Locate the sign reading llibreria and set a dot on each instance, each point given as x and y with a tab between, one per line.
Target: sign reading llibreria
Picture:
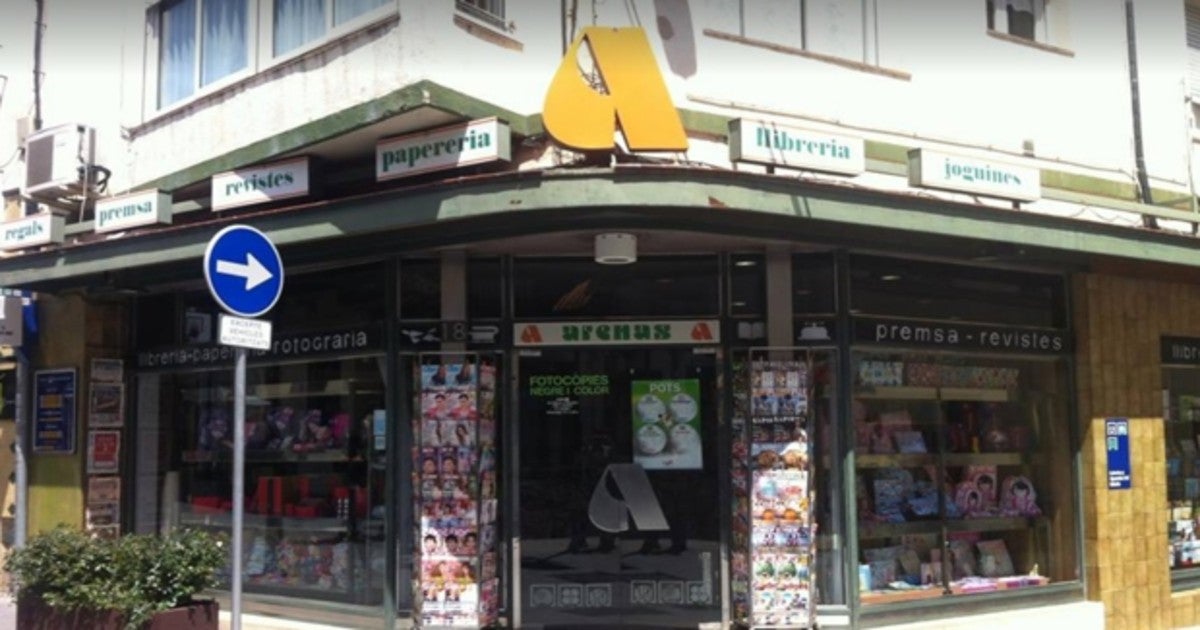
955	336
535	334
1180	351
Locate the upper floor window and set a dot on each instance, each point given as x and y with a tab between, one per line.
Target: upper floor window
200	42
486	10
299	22
1020	18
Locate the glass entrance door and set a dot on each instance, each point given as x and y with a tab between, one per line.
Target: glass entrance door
618	518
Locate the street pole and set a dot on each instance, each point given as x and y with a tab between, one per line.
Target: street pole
21	409
239	486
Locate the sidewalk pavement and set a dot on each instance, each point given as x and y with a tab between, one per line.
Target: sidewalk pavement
8	619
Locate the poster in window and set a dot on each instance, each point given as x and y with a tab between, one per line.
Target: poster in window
666	424
104	452
106	405
54	400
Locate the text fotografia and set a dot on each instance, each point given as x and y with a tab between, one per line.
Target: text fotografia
285	346
960	336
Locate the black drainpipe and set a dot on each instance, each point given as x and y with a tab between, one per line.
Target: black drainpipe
1134	93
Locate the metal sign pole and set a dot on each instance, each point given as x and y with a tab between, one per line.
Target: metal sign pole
239	486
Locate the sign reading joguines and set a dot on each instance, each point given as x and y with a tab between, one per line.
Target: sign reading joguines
961	336
134	210
934	169
614	333
260	184
777	145
476	142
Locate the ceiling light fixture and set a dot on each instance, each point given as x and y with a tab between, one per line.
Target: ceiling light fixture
615	248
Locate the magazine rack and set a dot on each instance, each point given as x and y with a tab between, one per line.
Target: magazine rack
773	551
455	471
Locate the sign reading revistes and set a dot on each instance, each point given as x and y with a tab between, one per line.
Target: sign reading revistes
260	184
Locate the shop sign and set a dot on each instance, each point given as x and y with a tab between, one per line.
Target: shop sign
134	210
286	346
476	142
241	332
54	394
666	424
556	385
1180	351
617	333
260	184
37	229
934	169
434	334
816	333
793	147
579	117
950	335
1116	444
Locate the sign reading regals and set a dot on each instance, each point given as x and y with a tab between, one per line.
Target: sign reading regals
367	338
950	335
1116	444
1180	351
54	418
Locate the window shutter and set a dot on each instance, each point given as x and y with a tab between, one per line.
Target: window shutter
1193	42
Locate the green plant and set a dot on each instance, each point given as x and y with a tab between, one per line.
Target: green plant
137	574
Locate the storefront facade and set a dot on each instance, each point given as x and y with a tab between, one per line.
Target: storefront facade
701	369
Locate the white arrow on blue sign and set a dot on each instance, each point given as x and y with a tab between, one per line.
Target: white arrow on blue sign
243	271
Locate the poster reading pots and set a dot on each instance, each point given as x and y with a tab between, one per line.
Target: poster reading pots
666	424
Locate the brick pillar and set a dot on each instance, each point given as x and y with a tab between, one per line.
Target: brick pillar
1125	531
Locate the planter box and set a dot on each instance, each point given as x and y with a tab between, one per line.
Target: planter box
34	614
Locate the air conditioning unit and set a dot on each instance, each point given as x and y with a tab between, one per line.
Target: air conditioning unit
57	161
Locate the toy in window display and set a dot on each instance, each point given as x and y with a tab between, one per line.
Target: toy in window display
216	431
1017	497
968	499
282	424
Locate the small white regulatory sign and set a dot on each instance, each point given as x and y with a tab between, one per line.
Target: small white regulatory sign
245	333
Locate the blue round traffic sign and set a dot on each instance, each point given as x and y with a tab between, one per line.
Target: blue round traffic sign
243	271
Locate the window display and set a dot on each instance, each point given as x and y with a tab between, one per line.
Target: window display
963	475
314	473
1181	410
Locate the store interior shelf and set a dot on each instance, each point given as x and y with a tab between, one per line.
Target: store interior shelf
910	392
892	530
262	521
912	460
269	457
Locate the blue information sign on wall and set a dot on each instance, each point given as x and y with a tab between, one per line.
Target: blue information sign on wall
1116	439
54	398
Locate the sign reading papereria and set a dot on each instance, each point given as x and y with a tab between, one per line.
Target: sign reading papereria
243	270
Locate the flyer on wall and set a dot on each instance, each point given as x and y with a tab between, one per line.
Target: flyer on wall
106	405
54	400
666	424
104	452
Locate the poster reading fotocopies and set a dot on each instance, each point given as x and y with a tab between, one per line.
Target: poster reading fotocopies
666	424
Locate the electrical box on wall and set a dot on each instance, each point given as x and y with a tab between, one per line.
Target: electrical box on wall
57	160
